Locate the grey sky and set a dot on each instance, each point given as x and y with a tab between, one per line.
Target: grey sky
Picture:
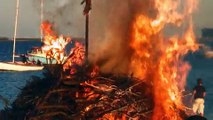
29	19
204	15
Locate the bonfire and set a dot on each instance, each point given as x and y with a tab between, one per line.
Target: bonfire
159	72
153	87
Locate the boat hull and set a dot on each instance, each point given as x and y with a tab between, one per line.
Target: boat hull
19	67
41	58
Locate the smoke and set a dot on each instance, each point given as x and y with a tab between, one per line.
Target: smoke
110	32
110	23
66	15
110	27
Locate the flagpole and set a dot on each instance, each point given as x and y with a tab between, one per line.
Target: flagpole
87	37
87	8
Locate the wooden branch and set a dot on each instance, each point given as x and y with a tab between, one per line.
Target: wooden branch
103	78
64	107
117	109
101	87
46	115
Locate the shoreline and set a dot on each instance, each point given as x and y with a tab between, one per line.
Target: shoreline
20	39
34	39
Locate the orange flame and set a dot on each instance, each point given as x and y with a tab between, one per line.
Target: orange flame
158	59
113	116
54	45
76	57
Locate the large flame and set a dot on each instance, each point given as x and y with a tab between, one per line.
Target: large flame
76	57
158	58
54	45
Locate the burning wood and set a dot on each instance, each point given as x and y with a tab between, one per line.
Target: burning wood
94	97
98	98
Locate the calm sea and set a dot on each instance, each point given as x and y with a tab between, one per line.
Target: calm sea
10	82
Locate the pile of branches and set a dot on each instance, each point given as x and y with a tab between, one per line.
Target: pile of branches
96	97
110	101
82	96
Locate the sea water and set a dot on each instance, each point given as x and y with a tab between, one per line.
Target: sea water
202	68
11	82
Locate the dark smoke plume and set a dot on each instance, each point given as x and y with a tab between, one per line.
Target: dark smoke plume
110	32
110	27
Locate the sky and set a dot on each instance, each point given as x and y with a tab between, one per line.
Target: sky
29	18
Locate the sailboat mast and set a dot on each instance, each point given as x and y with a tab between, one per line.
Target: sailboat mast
15	32
41	18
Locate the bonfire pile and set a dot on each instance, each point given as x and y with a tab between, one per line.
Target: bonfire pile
88	95
95	98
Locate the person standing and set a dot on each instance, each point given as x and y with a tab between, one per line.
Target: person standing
199	92
24	58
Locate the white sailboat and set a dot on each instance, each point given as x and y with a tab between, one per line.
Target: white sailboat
18	66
